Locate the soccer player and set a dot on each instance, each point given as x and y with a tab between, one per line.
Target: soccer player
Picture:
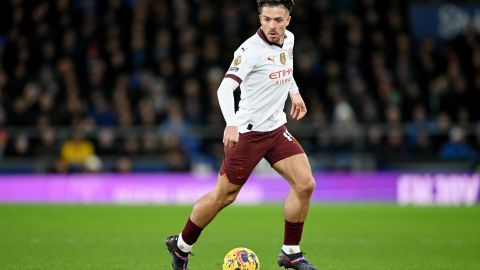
263	68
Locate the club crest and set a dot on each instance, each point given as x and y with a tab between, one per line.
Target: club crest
283	58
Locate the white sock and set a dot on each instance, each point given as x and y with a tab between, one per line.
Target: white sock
291	249
182	245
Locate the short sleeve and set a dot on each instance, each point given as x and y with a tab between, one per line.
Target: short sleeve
244	61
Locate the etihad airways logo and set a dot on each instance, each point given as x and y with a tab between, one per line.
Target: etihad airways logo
282	73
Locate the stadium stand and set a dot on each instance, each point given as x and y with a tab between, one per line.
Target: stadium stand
137	80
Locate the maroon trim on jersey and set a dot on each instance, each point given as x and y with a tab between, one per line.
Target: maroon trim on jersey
262	36
234	77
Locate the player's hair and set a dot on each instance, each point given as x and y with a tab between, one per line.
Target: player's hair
289	4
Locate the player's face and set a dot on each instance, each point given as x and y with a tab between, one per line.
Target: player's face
274	21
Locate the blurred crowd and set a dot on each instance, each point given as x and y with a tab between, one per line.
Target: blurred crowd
155	65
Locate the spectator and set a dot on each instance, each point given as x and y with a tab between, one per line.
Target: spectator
423	145
176	124
100	111
106	144
344	123
20	146
123	165
174	154
375	141
419	127
395	142
457	148
150	143
76	151
46	151
47	146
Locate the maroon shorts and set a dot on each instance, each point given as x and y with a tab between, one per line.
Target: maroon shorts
239	162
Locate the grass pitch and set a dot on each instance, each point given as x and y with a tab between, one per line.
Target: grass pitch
336	237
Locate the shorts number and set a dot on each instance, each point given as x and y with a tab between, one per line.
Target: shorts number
288	136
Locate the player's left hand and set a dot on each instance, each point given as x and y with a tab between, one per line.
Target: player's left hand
299	109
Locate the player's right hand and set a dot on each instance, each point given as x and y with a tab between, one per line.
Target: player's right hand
230	136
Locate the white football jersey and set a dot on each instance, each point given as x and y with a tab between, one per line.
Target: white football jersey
265	74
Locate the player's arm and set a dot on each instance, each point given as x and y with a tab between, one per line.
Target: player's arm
299	109
227	105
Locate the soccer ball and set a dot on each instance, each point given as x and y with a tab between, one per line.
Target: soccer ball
241	259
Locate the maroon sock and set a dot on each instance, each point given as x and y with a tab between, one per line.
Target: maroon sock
293	233
191	232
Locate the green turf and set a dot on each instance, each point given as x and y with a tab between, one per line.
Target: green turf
337	237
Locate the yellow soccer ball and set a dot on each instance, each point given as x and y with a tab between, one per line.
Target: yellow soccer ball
241	259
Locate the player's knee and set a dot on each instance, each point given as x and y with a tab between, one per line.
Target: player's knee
229	199
226	200
223	200
311	184
307	186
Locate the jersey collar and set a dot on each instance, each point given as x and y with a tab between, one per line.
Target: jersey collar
264	38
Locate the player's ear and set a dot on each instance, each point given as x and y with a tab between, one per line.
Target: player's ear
288	20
